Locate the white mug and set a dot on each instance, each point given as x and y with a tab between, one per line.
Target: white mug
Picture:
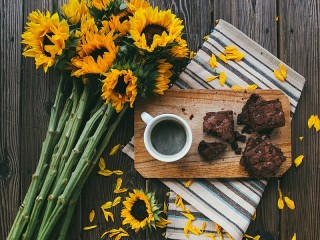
152	122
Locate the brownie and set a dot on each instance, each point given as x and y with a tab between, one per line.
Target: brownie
261	158
220	124
261	115
210	150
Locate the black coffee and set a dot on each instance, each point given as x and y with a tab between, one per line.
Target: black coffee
168	137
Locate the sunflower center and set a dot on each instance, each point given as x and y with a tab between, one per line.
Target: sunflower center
121	86
125	17
98	52
47	41
139	210
151	30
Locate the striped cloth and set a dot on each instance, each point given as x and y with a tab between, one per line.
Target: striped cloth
230	203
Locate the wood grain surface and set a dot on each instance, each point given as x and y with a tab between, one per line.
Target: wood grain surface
195	105
26	95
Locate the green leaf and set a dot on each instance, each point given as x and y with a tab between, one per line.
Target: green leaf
123	6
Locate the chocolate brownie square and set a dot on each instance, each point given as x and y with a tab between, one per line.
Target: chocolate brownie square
261	115
210	150
261	158
220	124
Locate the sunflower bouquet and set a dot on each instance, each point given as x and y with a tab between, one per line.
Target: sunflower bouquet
108	53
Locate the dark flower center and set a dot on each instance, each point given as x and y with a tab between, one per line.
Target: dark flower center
47	41
121	86
98	52
151	30
125	17
139	210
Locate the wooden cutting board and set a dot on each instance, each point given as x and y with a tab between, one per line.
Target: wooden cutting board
192	106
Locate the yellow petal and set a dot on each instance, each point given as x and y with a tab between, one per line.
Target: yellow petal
206	37
301	138
278	75
116	201
107	205
222	78
233	56
283	70
189	216
223	58
118	172
289	203
203	226
256	237
102	164
115	149
90	227
254	216
229	236
280	203
191	55
240	57
91	215
317	123
298	160
210	235
122	190
165	207
188	183
248	236
107	215
249	87
209	79
218	229
277	18
230	48
119	183
213	61
311	121
294	237
105	173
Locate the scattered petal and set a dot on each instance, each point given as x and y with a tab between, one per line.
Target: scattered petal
107	205
122	190
256	237
209	79
277	18
301	138
206	37
278	75
168	194
222	78
105	172
254	216
120	232
189	216
283	70
162	222
216	21
188	183
230	48
219	231
280	200
311	121
119	183
115	149
203	226
213	61
165	207
248	236
90	227
289	203
102	164
229	236
210	235
116	201
294	237
223	58
298	160
317	124
249	87
192	54
108	214
91	215
240	57
117	172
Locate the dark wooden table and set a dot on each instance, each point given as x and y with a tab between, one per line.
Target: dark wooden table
26	96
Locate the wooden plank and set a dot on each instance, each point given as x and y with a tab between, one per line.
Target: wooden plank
197	103
10	117
99	189
299	48
257	20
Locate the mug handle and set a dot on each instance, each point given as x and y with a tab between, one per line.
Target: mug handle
146	117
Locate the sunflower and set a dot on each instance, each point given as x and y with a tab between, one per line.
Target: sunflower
181	49
118	23
74	10
101	5
163	79
119	87
96	54
45	36
140	210
151	28
133	5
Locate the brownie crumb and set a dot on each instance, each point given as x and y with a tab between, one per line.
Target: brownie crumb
211	150
234	146
246	129
239	137
238	151
183	109
191	117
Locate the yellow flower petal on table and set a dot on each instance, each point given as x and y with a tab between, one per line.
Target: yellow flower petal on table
119	183
189	216
203	226
219	230
216	21
206	37
108	214
116	201
222	78
317	124
102	163
280	200
113	232
117	172
301	138
177	199
209	79
162	222
213	61
277	18
254	216
90	227
294	237
105	173
188	183
165	207
278	75
283	70
91	215
210	235
311	121
240	57
233	56
229	236
230	48
223	58
107	205
298	160
187	227
115	149
192	54
195	230
248	236
249	87
256	237
122	190
289	203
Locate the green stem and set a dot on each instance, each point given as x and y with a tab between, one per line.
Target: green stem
47	149
75	196
79	173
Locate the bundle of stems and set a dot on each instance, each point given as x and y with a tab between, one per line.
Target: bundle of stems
80	128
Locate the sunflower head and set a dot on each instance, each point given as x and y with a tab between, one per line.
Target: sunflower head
45	37
151	28
140	210
133	5
180	50
74	10
119	87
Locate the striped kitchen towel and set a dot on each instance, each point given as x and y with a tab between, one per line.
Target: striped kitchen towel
230	203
